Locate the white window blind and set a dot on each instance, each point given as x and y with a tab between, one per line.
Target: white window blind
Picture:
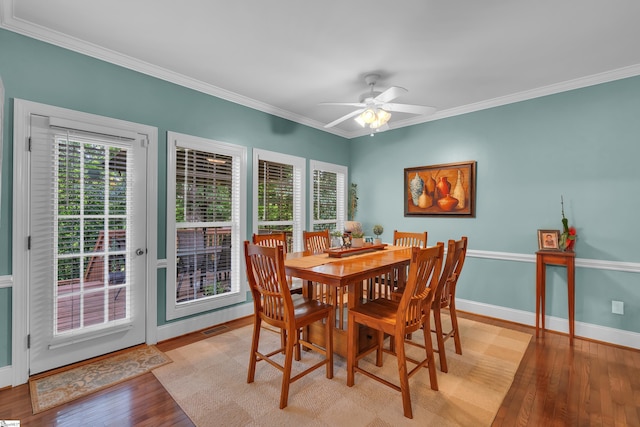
329	195
83	204
205	224
278	195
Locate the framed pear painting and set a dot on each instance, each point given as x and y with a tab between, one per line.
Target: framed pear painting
441	190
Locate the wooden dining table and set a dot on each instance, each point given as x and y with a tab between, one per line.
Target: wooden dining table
346	282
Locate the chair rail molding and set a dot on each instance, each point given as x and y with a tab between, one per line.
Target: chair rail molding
6	281
631	267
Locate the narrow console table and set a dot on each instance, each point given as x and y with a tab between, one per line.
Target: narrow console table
567	259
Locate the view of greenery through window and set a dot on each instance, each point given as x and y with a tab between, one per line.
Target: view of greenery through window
204	184
276	199
90	207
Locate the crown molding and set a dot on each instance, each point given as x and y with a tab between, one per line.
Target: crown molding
9	22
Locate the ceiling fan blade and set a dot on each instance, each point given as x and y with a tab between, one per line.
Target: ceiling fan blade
412	109
343	118
347	104
392	93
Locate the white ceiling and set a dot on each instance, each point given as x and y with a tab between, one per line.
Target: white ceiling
285	57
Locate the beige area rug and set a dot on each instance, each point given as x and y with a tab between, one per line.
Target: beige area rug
62	387
208	379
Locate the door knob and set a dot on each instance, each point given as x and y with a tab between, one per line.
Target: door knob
139	251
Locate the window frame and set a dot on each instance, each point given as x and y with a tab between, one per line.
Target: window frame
341	203
239	290
299	170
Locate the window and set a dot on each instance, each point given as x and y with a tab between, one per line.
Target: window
205	224
329	192
278	185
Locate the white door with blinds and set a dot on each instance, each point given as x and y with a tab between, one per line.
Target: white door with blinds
87	240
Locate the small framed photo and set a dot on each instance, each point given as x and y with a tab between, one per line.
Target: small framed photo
548	240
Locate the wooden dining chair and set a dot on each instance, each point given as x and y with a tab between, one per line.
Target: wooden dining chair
273	240
316	241
275	306
406	238
445	298
399	319
391	288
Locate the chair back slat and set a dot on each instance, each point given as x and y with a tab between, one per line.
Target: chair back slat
405	238
271	240
316	241
417	297
456	254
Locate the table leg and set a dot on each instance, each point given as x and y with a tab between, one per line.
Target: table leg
540	295
572	302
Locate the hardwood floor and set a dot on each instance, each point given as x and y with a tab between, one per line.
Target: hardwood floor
591	384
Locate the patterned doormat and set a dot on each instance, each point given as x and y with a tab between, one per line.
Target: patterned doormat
55	389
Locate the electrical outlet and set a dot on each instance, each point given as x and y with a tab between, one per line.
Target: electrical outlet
617	307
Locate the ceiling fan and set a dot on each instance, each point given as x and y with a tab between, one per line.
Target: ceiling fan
374	109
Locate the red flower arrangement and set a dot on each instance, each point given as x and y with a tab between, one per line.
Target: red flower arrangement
569	234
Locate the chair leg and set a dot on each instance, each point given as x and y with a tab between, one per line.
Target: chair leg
379	351
254	348
437	319
286	373
328	339
428	346
403	375
352	335
454	324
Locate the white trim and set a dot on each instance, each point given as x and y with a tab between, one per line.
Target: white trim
631	267
58	39
6	281
20	305
192	324
6	376
585	330
239	154
342	204
299	166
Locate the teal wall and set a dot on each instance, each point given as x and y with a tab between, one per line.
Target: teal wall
582	144
40	72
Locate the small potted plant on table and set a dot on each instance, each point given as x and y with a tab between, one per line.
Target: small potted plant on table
357	236
377	230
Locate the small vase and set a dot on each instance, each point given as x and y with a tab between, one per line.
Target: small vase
377	241
444	187
430	184
357	242
415	186
569	245
447	203
425	201
458	192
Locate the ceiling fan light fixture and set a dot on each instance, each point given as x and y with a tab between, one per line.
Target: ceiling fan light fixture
382	117
374	117
369	116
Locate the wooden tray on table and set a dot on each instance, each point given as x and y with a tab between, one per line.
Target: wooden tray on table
343	252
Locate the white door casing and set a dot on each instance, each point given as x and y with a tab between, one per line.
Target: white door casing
49	347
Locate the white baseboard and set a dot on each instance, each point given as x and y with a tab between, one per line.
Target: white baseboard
552	323
186	326
6	376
